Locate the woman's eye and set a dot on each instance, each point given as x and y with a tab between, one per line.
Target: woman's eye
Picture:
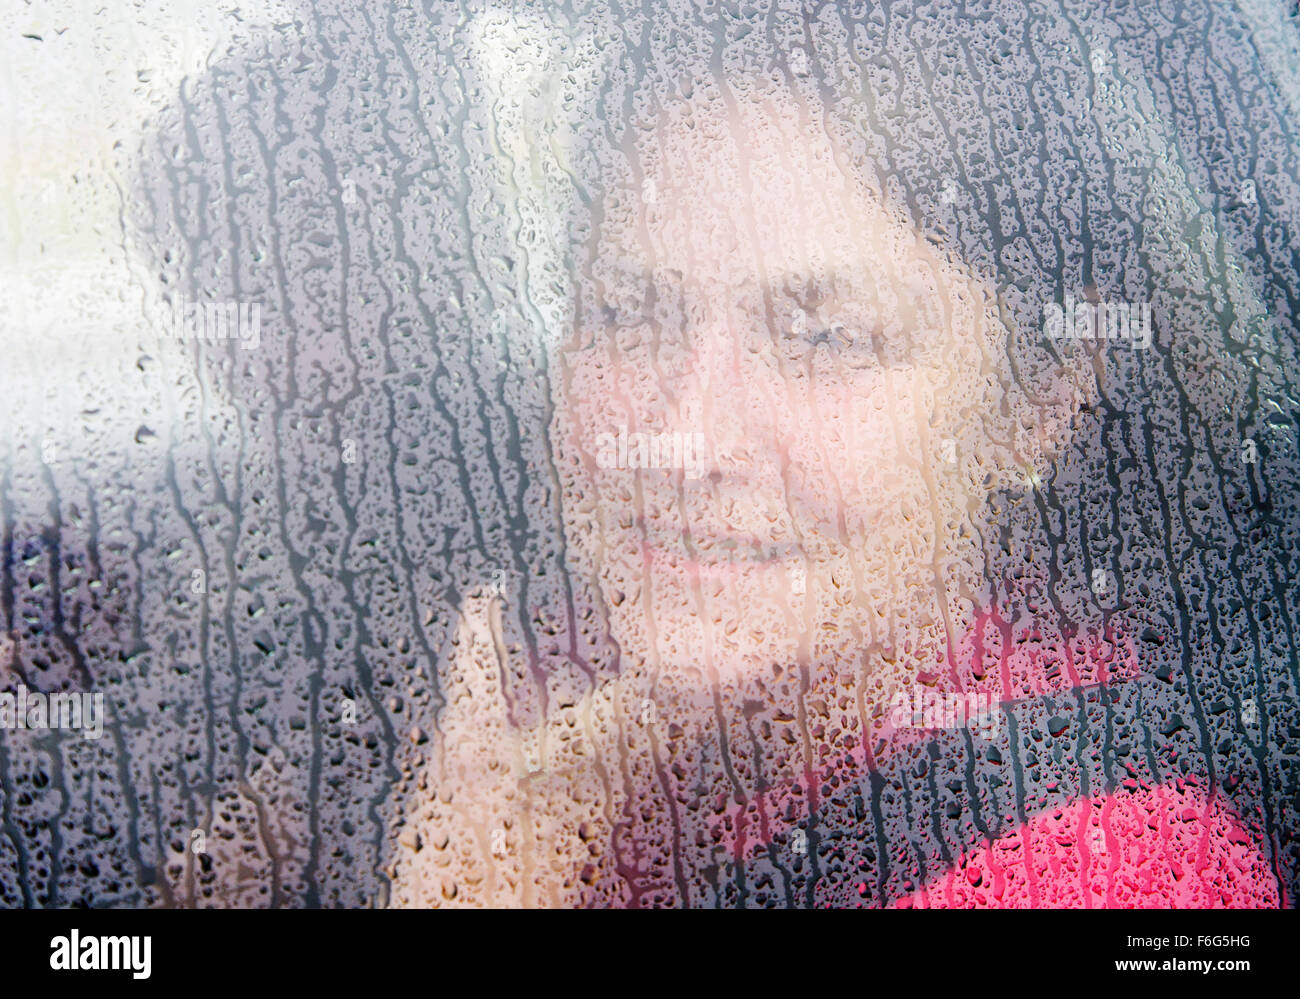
625	313
857	344
844	337
812	331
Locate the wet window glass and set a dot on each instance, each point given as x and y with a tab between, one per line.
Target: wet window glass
465	455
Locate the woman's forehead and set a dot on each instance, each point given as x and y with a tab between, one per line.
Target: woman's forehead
744	189
763	238
755	151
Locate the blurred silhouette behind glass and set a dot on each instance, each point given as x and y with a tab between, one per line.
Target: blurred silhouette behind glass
450	645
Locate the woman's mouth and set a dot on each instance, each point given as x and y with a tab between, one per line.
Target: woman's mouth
713	546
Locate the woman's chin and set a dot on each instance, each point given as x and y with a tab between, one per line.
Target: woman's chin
712	622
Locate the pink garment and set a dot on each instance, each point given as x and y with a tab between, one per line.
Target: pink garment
1165	847
1173	845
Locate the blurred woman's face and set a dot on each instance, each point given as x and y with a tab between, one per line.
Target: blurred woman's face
772	394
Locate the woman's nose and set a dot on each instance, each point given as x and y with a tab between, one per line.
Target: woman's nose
724	393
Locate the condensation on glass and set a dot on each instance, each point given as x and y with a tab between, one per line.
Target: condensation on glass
649	457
